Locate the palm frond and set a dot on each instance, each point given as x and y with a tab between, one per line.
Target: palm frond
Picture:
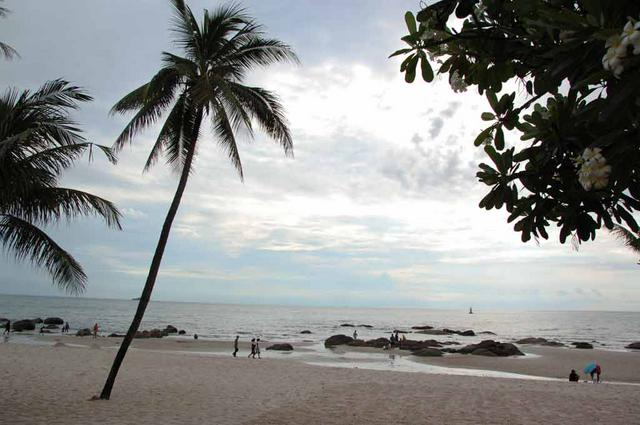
627	237
171	132
49	204
150	100
8	52
27	242
266	108
223	129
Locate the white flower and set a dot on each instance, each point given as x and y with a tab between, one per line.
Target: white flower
631	36
612	60
457	83
594	171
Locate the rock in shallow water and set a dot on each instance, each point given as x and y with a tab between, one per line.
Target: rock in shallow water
23	325
334	340
428	352
634	346
53	321
280	347
84	332
582	345
305	332
491	348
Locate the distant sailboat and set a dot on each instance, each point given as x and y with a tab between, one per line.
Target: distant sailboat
470	310
135	299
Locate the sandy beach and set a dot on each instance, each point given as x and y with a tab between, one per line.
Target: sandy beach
166	382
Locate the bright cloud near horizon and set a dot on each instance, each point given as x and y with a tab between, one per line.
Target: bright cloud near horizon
378	208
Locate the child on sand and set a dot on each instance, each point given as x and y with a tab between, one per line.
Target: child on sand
573	376
95	330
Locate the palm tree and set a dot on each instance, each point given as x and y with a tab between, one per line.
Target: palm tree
37	142
206	82
7	51
628	238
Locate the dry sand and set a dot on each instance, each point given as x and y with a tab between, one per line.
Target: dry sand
51	385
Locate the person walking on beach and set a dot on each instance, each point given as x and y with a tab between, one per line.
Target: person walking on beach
253	348
7	328
95	330
235	346
65	328
257	348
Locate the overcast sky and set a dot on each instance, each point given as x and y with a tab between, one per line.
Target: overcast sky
378	207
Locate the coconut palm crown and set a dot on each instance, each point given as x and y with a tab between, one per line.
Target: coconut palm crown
203	82
206	82
38	142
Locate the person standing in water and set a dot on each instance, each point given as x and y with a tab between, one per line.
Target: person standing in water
253	348
235	346
355	334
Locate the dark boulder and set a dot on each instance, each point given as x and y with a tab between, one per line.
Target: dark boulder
490	348
422	328
23	325
582	345
347	325
433	332
3	320
53	321
305	332
334	340
467	333
37	320
413	345
142	334
365	326
115	335
280	347
553	344
634	346
52	327
450	331
539	341
531	340
427	352
84	332
182	332
171	329
157	333
374	343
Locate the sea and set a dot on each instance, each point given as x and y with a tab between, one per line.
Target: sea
607	330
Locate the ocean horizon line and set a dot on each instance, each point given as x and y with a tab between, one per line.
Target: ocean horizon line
324	306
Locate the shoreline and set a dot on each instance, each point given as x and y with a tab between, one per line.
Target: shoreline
539	362
49	384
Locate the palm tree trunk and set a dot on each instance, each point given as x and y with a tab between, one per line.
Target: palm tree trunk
151	278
